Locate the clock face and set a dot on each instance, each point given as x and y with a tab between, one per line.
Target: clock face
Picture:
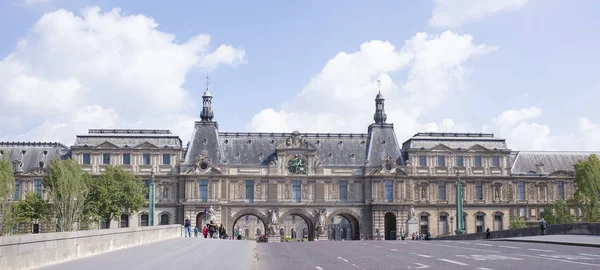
388	167
203	165
297	165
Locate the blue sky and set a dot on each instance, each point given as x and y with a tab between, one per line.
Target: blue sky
523	69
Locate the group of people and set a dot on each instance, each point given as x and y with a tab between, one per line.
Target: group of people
210	230
419	236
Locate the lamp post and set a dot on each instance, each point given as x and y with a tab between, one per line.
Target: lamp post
152	201
460	227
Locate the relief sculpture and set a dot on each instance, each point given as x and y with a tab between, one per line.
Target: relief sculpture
333	191
287	192
240	191
258	191
304	192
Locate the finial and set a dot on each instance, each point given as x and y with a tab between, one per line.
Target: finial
379	85
207	80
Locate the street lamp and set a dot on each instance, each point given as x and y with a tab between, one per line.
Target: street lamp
460	226
152	201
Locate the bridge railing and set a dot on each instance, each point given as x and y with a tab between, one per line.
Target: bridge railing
569	228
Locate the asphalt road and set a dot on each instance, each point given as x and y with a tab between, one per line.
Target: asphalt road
179	253
481	255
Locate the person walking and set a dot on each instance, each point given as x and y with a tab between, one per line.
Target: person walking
195	232
487	233
188	225
205	231
543	226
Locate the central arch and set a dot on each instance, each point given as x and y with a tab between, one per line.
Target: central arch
306	216
352	217
247	212
390	226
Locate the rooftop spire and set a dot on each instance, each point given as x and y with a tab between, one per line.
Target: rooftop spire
380	115
207	114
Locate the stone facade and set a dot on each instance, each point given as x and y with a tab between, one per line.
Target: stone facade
369	179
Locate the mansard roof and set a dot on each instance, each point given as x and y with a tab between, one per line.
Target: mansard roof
551	161
128	138
30	154
463	141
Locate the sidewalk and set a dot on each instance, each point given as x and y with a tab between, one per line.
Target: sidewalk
559	239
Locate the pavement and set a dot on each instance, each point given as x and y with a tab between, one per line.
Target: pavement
178	253
560	239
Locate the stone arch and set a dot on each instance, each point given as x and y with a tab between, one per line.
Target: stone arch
424	225
306	216
498	224
352	217
169	218
248	212
475	215
141	222
389	224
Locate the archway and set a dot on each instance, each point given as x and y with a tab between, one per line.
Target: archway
347	226
256	220
200	222
297	220
390	226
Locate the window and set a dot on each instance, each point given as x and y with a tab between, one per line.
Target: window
249	191
423	160
203	191
389	191
105	224
561	190
443	225
498	222
17	189
86	158
521	190
424	224
124	221
296	184
293	219
479	222
166	159
478	191
477	161
127	159
521	212
144	220
441	161
164	219
147	187
105	158
442	191
460	161
495	161
38	187
343	190
146	159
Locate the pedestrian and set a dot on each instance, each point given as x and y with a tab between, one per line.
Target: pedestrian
487	233
196	232
205	231
239	233
543	226
188	225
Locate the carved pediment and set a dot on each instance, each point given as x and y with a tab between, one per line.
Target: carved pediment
401	171
441	147
34	172
17	166
478	148
561	173
296	141
146	145
106	144
204	165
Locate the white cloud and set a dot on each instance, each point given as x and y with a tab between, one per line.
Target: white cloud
453	13
341	97
72	69
35	2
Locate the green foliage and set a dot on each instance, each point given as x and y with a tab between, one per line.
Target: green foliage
113	193
31	208
68	188
7	187
587	194
558	213
517	223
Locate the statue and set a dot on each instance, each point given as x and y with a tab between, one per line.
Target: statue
412	214
320	217
272	217
296	165
211	214
497	193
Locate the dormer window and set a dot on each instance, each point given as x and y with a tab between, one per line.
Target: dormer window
226	141
352	155
204	141
41	164
237	155
1	152
272	142
330	155
249	142
23	152
45	152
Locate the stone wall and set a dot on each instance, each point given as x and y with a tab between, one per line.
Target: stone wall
36	250
571	228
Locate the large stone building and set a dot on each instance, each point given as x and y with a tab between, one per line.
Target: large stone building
369	180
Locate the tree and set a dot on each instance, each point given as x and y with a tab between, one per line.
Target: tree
587	194
557	213
113	193
517	223
31	208
68	188
7	187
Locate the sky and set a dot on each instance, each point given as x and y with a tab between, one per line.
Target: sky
525	70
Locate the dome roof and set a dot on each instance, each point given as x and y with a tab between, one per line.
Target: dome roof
379	96
207	93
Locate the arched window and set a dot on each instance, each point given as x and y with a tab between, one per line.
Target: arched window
164	219
424	223
443	224
479	222
124	221
143	220
498	224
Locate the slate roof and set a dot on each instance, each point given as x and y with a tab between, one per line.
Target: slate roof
128	138
428	140
32	153
382	142
526	161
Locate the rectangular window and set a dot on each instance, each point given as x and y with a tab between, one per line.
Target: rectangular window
147	187
561	189
124	221
105	159
38	187
424	224
477	161
17	189
495	161
146	159
442	191
498	223
441	161
203	191
86	158
250	191
423	160
521	190
460	161
296	185
127	159
478	191
443	225
479	223
521	212
166	159
389	191
343	190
